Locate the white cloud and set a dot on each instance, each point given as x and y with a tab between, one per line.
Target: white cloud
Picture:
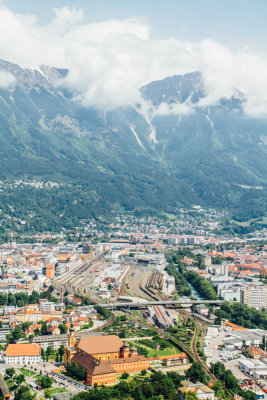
110	60
174	109
6	80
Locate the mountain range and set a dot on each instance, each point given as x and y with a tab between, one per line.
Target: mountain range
166	152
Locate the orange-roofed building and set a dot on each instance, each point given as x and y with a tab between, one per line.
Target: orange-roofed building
234	327
228	254
23	354
103	357
255	353
50	271
188	260
30	330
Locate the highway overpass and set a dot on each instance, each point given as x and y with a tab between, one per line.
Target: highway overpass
162	302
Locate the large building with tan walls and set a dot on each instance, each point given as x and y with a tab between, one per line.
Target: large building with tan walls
103	357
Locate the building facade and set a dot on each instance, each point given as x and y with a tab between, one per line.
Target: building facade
255	296
103	357
23	354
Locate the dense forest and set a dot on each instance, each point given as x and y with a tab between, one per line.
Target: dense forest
159	386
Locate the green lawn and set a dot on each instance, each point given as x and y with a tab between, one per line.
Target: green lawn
27	372
10	384
156	353
52	391
166	352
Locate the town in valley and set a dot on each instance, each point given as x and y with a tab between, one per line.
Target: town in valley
175	296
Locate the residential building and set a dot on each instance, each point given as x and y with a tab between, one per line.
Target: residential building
255	296
55	341
255	352
46	305
3	333
202	391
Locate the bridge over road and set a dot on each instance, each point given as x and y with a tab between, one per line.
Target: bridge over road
161	302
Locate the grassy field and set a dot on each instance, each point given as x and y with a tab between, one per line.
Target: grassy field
156	353
50	392
166	352
28	372
260	220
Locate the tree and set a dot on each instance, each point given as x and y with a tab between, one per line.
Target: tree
63	329
124	375
191	396
15	335
122	333
10	372
25	325
48	394
19	379
24	393
61	352
44	330
45	382
77	372
196	373
263	344
219	370
143	372
49	351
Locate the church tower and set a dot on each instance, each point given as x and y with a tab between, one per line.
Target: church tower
70	350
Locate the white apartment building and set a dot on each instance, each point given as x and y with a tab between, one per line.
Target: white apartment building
231	293
254	296
46	305
23	354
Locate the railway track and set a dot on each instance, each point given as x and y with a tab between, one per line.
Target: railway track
75	279
198	325
192	353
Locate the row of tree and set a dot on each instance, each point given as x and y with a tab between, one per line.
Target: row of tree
230	383
242	315
204	287
19	299
176	268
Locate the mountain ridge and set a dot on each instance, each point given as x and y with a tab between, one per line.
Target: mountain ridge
133	157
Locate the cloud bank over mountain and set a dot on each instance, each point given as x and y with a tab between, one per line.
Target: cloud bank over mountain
109	61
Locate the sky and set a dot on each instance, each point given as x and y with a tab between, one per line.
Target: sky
112	47
233	23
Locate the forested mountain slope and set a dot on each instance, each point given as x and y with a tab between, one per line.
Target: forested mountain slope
152	156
